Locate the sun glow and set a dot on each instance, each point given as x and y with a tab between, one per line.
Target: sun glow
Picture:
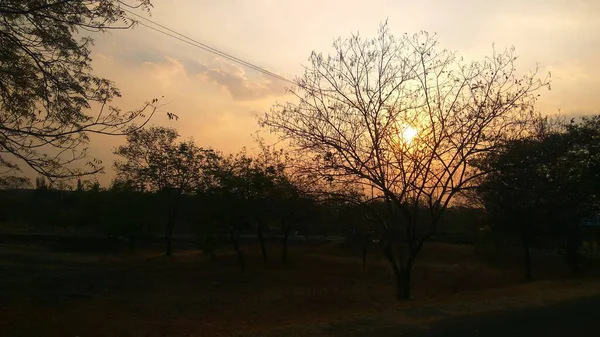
409	133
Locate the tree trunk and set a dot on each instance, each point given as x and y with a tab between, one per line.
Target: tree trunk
169	228
402	273
400	287
286	231
169	238
209	247
404	292
572	249
364	250
236	246
261	239
527	256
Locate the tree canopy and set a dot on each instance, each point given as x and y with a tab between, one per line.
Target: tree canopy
543	187
152	160
50	99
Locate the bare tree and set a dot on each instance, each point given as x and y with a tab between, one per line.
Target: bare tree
50	100
404	118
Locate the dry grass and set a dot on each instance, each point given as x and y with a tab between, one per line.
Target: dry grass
48	293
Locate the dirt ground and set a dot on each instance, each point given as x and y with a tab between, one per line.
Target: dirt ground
47	290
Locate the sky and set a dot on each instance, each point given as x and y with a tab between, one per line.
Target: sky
218	101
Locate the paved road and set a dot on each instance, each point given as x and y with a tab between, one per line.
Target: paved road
569	319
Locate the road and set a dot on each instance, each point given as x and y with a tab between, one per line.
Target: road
568	319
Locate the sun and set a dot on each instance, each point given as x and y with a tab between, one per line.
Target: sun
409	133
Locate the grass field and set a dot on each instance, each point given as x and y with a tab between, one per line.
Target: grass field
58	289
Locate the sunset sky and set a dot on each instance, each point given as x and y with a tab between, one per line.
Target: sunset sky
217	100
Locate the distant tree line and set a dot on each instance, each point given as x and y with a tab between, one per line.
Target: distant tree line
162	182
539	190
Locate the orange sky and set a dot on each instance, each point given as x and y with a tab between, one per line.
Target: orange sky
217	100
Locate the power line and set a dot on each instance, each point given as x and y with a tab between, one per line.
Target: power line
183	38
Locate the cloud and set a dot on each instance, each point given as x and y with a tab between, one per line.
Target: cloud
235	81
165	71
230	77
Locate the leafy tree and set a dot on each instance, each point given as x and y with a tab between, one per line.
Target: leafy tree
294	209
153	161
511	194
230	200
543	187
287	198
202	211
50	100
257	189
401	116
288	205
249	194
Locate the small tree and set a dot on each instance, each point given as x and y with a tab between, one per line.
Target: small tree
406	118
292	206
258	189
234	200
287	196
154	162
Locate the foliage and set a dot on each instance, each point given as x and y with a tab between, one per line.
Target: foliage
542	188
153	161
50	99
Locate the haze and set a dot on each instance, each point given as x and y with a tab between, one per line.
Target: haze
217	100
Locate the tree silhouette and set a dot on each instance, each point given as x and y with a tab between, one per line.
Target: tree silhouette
543	187
153	161
228	200
512	193
51	100
289	198
354	108
257	184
